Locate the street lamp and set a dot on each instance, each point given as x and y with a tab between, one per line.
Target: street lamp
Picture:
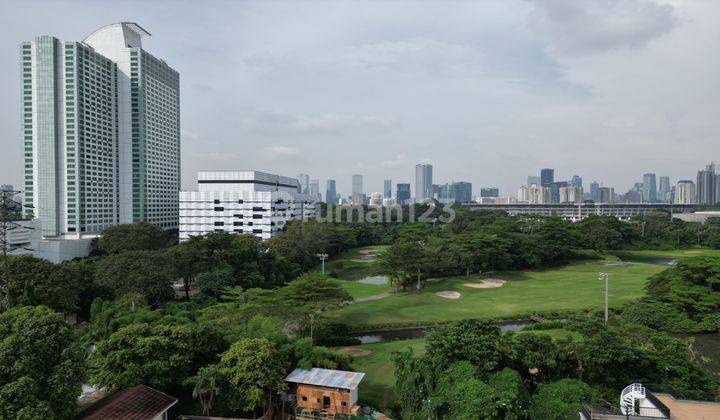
605	276
323	257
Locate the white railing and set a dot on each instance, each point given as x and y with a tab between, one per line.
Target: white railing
628	396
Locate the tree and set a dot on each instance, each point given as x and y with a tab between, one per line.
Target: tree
206	386
560	400
139	236
473	340
693	285
35	281
404	262
212	283
42	364
254	370
145	272
535	355
159	355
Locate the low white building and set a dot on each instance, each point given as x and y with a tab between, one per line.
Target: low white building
242	202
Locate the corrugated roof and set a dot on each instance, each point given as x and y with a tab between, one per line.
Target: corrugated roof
326	377
137	403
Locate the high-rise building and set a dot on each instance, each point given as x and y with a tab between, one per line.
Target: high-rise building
357	184
606	195
460	192
595	191
533	180
538	194
387	188
423	182
547	177
249	202
523	194
490	192
649	192
101	133
330	192
685	192
576	181
708	184
570	194
555	190
315	190
376	199
304	180
402	194
664	189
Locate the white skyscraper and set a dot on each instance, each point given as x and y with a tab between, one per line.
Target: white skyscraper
685	192
423	182
101	130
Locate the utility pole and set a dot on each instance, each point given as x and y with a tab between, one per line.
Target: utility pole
8	205
605	276
322	257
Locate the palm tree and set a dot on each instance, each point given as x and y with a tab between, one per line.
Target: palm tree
206	386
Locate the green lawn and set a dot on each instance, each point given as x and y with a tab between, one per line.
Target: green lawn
351	266
361	290
650	254
378	386
571	287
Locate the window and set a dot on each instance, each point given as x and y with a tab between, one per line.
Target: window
258	209
257	231
257	216
304	398
216	201
219	223
240	201
219	208
237	223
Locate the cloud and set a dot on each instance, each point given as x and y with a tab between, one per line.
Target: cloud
576	27
281	123
397	161
280	151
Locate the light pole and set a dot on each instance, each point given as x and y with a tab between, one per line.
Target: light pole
606	277
323	257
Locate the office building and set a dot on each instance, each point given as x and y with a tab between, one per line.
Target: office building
576	181
423	182
649	189
376	199
387	188
539	195
547	177
490	192
357	199
606	195
555	190
570	194
101	133
460	192
685	192
330	192
251	202
708	184
304	180
595	191
357	184
664	189
315	190
402	195
533	180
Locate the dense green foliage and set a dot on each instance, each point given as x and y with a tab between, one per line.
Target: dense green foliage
42	365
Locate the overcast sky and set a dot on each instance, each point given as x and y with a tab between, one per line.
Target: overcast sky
488	92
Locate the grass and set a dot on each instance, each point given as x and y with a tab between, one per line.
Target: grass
572	287
350	265
361	290
676	254
378	386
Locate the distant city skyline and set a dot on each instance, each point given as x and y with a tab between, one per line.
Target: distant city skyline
489	94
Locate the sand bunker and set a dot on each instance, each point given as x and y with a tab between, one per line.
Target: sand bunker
486	284
354	351
448	294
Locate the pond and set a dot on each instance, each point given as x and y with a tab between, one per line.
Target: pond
375	280
408	333
647	259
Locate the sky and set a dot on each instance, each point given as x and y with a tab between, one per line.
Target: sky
487	91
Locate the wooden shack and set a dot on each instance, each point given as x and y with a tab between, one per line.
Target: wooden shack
326	390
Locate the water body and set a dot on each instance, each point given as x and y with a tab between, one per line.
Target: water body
375	280
648	259
380	336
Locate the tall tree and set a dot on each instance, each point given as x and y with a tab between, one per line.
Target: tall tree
139	236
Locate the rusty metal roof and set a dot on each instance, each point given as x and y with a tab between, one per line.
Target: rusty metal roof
326	377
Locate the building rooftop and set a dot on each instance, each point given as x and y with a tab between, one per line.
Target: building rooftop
690	410
137	403
326	377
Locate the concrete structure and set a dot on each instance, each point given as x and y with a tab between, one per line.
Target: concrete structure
376	199
325	392
539	195
523	194
638	403
251	202
423	182
576	212
101	133
571	194
685	193
649	192
697	217
330	192
402	194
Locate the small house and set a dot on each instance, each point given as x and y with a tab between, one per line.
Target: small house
137	403
326	390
